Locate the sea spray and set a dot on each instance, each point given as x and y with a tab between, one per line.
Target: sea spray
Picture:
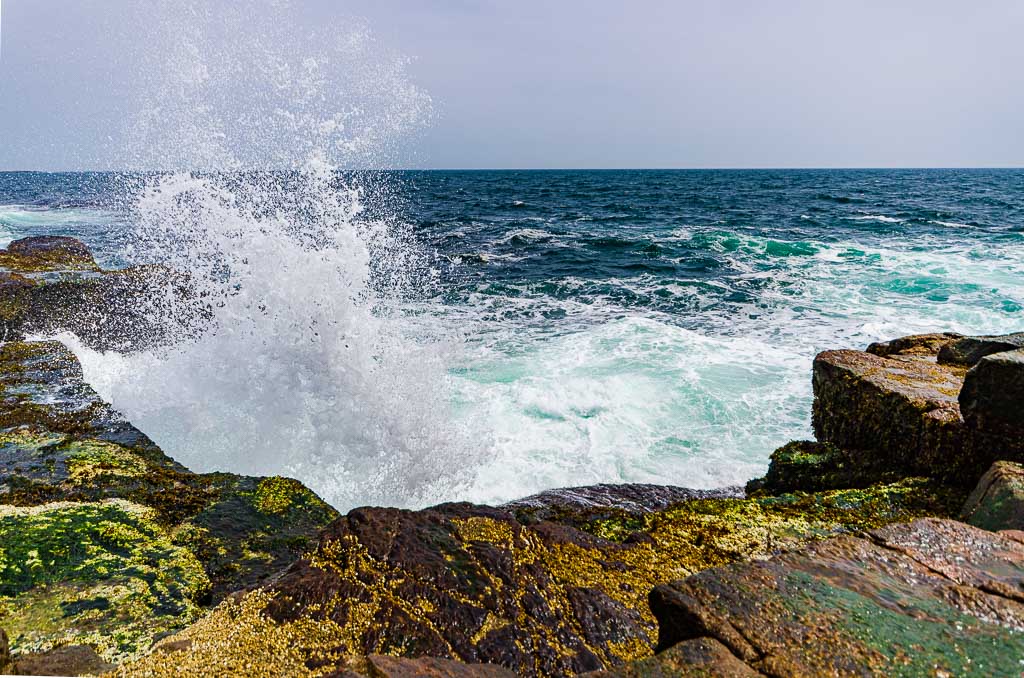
293	358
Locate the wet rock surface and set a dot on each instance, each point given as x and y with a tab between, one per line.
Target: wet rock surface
473	583
571	505
924	598
52	284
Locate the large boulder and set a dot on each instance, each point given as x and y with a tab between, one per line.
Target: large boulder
104	540
992	403
899	412
932	597
997	503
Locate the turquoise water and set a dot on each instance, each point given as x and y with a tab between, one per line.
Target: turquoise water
610	326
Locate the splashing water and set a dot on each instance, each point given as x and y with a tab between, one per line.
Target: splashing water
302	367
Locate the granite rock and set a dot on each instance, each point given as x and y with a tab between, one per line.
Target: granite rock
931	597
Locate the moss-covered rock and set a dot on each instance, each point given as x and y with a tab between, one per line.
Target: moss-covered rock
104	574
74	470
807	466
474	583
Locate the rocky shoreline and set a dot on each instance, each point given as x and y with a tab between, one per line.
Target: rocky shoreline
891	545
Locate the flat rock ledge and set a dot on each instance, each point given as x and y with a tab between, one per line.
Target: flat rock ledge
931	597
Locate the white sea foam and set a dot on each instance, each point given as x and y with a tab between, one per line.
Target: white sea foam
878	217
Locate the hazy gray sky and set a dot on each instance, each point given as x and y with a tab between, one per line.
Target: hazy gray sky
593	83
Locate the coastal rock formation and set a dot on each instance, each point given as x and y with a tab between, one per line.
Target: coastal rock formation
474	583
901	410
932	597
115	557
50	284
914	406
106	541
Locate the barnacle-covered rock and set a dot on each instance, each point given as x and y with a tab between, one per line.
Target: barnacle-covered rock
473	583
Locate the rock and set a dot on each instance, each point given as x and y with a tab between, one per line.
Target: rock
47	253
52	284
67	660
473	583
105	539
380	666
806	466
997	503
696	658
899	413
932	597
567	505
967	351
992	402
915	344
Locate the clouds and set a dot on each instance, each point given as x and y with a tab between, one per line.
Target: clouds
600	84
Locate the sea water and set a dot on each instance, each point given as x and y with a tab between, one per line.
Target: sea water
490	334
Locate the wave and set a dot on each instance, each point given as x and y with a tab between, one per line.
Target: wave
878	217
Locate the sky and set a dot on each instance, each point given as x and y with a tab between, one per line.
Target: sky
577	83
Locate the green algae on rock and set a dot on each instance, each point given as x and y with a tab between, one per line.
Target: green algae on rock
807	466
104	574
73	459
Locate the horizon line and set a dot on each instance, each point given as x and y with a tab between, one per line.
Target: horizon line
531	169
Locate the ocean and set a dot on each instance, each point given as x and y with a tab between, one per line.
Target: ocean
483	335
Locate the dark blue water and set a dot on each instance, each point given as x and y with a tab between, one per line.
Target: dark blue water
650	325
